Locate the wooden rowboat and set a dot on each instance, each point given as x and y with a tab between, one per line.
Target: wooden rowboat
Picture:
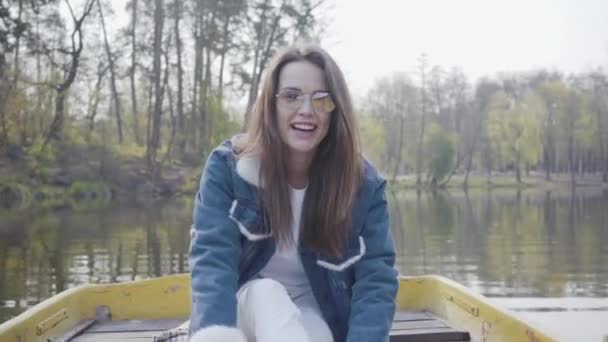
430	308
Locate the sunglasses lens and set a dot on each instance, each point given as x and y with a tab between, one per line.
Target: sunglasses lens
323	103
295	104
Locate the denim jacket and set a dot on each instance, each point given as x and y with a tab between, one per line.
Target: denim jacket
230	245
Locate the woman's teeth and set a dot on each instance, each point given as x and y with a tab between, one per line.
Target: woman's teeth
304	127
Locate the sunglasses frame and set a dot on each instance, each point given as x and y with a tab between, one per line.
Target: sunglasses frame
301	100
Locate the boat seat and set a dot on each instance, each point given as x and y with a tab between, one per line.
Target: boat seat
422	326
408	326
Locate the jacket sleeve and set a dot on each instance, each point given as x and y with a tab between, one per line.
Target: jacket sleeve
376	283
214	248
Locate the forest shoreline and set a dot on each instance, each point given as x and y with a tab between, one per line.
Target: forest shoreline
90	183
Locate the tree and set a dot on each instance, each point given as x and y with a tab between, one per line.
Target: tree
474	132
116	100
178	10
453	108
133	69
13	28
270	21
577	126
599	93
514	129
553	95
155	114
394	101
423	112
70	69
440	148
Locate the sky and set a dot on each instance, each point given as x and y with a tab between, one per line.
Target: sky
374	38
371	39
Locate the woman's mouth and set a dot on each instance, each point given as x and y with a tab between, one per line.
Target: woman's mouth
304	127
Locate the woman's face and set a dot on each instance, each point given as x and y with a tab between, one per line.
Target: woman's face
303	106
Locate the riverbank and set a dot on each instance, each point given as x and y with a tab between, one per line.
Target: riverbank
89	177
508	181
93	176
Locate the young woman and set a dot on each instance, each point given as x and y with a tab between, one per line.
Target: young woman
291	238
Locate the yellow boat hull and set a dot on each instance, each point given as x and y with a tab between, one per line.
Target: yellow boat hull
169	298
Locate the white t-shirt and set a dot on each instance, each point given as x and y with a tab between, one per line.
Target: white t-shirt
285	265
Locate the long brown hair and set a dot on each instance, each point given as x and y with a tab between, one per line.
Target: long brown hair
335	172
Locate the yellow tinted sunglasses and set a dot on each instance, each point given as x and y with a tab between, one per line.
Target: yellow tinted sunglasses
292	99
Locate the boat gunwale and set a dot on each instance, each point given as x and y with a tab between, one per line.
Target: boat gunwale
435	299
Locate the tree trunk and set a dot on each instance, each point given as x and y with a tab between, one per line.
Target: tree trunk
157	84
149	113
204	98
400	148
40	122
197	75
223	60
17	74
605	171
265	55
181	144
518	168
95	105
3	96
253	90
113	88
167	89
173	120
548	150
55	130
471	151
456	166
132	71
6	89
601	109
571	166
419	158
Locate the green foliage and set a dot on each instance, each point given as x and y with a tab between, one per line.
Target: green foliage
80	189
372	138
80	195
221	124
585	126
514	128
128	150
440	148
14	194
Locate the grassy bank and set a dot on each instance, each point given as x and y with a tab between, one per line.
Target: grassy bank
532	181
82	176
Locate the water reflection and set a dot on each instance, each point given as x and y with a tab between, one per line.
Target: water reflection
503	243
44	252
506	243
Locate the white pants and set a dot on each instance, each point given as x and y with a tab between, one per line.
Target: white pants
266	314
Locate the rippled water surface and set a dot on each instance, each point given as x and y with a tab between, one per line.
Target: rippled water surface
542	254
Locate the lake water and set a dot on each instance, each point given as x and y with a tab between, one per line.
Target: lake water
542	254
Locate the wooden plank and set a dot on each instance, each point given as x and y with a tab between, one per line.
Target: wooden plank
421	326
429	335
411	316
411	325
135	325
139	336
75	331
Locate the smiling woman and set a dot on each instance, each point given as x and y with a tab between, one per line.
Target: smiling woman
303	109
291	235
